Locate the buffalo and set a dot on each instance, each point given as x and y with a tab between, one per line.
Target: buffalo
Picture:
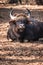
23	27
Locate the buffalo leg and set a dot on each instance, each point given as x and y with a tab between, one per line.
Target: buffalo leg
10	35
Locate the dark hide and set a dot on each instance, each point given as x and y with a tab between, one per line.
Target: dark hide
34	30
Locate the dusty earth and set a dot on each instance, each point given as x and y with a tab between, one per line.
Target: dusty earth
12	53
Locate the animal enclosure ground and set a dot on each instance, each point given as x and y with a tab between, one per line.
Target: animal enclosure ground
19	53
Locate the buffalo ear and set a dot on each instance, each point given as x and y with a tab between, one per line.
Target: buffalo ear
29	20
12	22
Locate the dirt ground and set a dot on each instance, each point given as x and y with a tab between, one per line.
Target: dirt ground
11	53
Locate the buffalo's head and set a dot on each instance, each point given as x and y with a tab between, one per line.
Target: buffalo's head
19	23
19	20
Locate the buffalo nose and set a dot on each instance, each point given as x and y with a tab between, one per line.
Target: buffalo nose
21	26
